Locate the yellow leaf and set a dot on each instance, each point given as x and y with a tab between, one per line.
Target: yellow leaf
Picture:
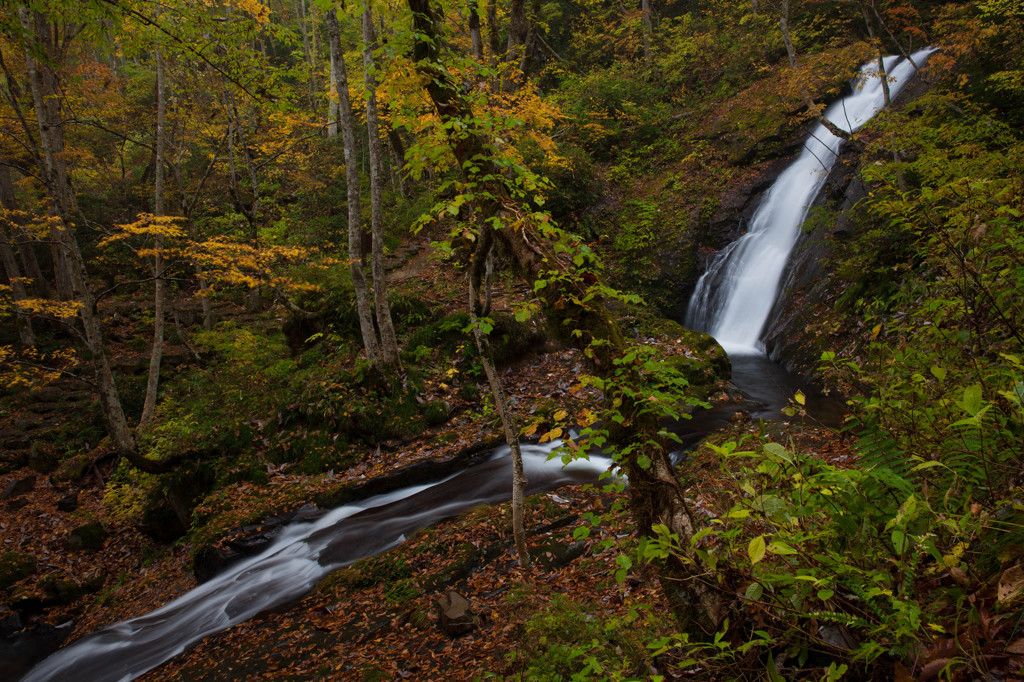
560	415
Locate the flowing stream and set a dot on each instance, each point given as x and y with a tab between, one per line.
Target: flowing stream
734	297
299	558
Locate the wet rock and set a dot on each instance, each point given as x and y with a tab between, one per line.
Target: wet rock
19	487
10	621
87	538
15	566
68	503
455	614
13	440
161	521
21	650
209	561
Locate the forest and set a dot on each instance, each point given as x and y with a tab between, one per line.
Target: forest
384	340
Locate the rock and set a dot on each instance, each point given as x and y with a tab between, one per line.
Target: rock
41	457
68	503
46	394
87	538
15	566
17	503
60	590
455	614
73	468
20	651
19	487
10	621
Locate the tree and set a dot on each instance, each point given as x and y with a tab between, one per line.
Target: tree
656	497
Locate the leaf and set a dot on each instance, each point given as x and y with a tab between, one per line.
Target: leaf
1011	585
780	547
560	415
754	592
972	399
530	430
800	398
899	541
756	549
938	373
825	595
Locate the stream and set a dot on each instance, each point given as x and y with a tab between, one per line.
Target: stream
732	303
299	558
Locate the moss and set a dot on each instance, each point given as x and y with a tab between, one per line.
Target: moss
15	566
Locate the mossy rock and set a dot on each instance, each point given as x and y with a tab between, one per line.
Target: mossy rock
87	538
61	590
15	566
73	469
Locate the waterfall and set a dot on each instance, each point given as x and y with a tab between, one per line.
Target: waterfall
735	295
298	559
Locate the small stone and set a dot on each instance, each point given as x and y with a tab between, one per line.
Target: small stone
455	614
68	503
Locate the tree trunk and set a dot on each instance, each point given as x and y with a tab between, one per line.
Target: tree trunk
25	334
645	12
791	53
68	262
869	25
481	256
388	340
515	50
474	30
332	101
656	496
355	250
156	356
24	323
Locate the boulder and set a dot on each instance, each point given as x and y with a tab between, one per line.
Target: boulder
87	538
19	487
455	614
15	566
21	650
41	457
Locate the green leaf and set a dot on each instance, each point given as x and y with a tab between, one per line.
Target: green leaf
899	541
972	399
825	595
756	549
938	373
780	547
754	592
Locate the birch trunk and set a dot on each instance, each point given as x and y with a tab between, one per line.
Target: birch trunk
355	250
477	268
24	323
388	340
159	295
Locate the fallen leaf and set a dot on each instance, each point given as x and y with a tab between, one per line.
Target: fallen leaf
1011	585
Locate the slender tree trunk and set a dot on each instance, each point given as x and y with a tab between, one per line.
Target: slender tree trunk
481	256
516	48
355	250
474	30
156	356
333	114
69	264
787	38
388	339
645	12
24	323
882	75
10	264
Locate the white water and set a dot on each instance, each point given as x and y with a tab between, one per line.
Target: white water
301	556
734	297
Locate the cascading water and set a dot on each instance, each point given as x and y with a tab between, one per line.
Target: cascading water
297	560
734	297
